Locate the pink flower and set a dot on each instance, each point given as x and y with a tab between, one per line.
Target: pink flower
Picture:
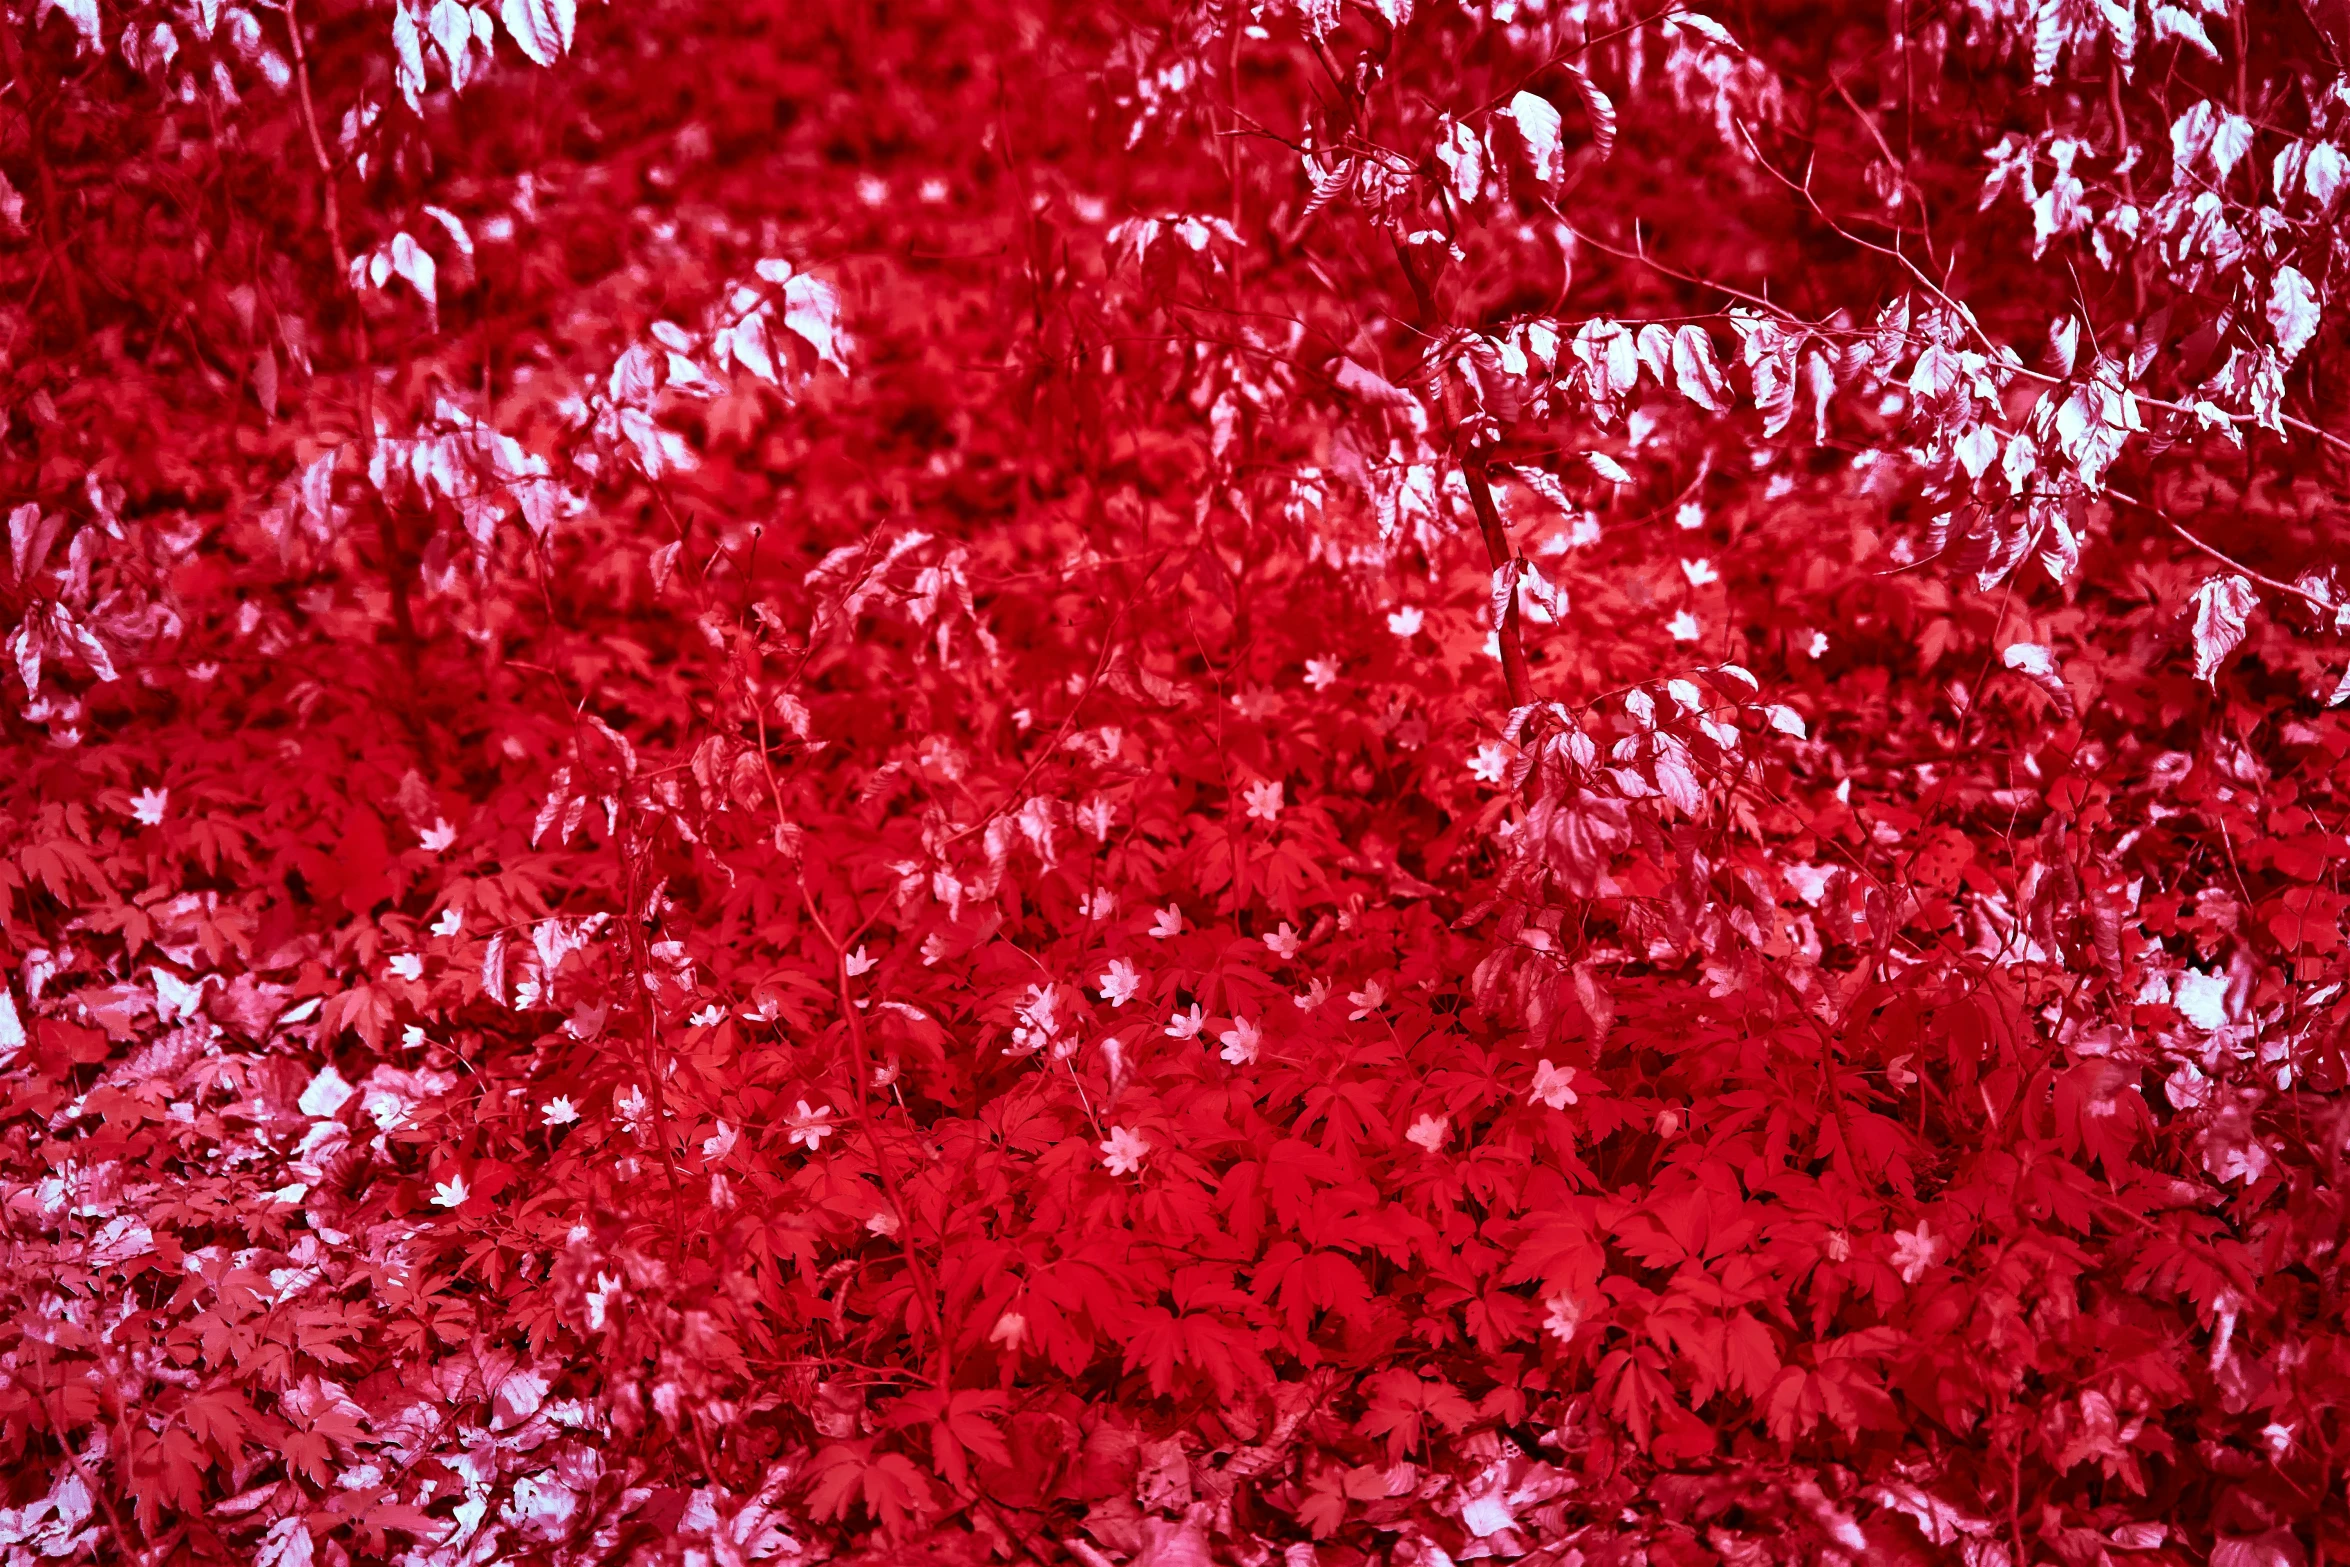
1122	1151
1121	983
1914	1252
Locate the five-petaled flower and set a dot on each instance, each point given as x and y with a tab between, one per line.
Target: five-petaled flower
438	836
1367	1000
1121	983
1264	800
1914	1252
1405	622
1186	1025
857	963
810	1124
405	964
1553	1085
1240	1042
147	806
1489	762
1282	943
1429	1131
559	1111
1566	1315
1122	1151
1167	921
1683	627
1321	673
720	1143
450	1193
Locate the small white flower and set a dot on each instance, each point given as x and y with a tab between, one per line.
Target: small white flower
2278	1437
1120	983
1122	1151
1690	516
881	1222
1897	1070
437	837
1186	1025
810	1125
1240	1042
1818	644
1566	1315
407	965
1282	943
1914	1252
1316	992
559	1111
857	963
1405	622
1167	921
1264	800
1668	1124
1684	627
710	1016
1490	762
1096	816
147	806
1839	1246
719	1143
1429	1131
1010	1330
1321	673
1700	573
1367	1000
450	1193
721	1191
1100	904
449	923
1553	1085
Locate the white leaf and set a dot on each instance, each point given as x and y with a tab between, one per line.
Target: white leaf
2292	312
2222	605
326	1094
1694	370
455	227
1601	110
1786	720
1704	27
2171	22
1608	468
11	1027
1540	125
1463	157
2341	692
542	28
2230	142
452	29
811	310
411	261
2322	175
408	58
2038	665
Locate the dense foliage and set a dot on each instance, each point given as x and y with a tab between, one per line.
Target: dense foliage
1534	779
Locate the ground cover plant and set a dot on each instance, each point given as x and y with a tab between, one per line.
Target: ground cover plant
1541	780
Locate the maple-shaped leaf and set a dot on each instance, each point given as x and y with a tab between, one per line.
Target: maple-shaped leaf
895	1494
962	1424
1403	1405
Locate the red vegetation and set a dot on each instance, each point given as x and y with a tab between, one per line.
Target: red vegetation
1324	782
